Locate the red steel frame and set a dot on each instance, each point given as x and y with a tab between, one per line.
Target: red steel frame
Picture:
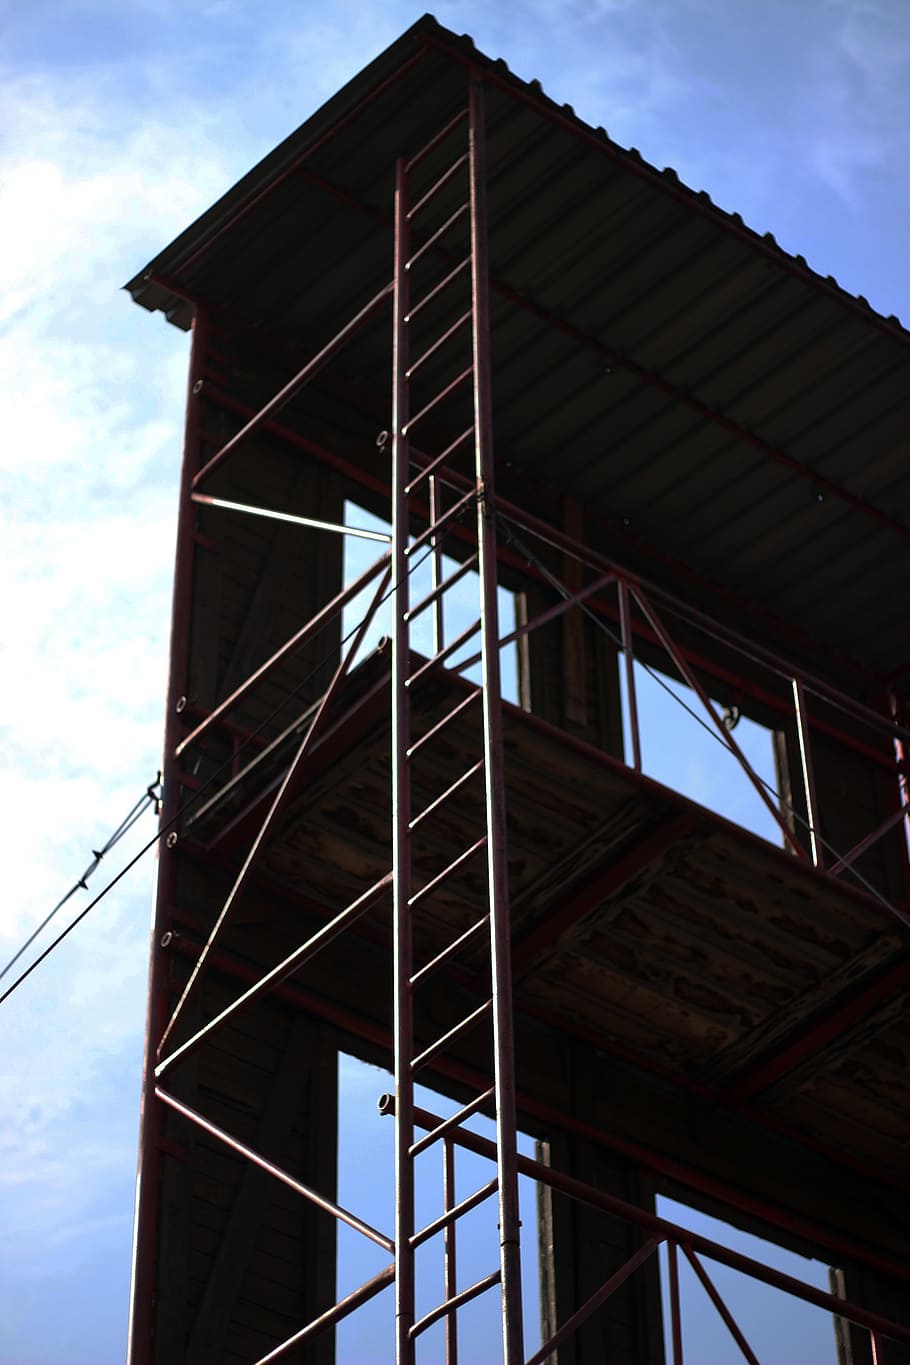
405	754
637	615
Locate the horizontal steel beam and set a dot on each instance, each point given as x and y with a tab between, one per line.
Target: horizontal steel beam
810	1039
581	900
375	1035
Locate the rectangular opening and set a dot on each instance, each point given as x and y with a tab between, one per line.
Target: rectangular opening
682	748
776	1325
366	1163
461	604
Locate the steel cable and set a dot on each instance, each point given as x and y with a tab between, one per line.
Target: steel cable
126	824
140	806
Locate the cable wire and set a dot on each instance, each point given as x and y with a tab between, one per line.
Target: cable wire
134	814
138	810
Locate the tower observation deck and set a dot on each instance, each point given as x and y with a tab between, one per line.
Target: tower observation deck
620	441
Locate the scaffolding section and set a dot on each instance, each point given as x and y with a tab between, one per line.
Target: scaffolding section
373	851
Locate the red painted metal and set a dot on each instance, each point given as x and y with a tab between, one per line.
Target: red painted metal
451	1215
728	1319
747	650
440	586
287	967
140	1344
436	140
313	1196
296	641
448	871
675	1316
477	495
628	650
652	378
580	901
470	700
449	1306
827	1026
494	768
440	1044
441	1132
402	968
274	811
437	578
805	754
335	1314
261	341
596	1301
692	680
536	1113
690	1241
551	614
274	347
450	1265
847	859
451	648
439	343
459	164
453	948
294	386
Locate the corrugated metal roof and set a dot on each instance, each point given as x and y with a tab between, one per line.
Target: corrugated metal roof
652	356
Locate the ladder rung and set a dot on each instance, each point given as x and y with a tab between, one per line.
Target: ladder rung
448	1124
444	586
454	947
449	791
440	398
436	526
445	281
451	1215
441	724
435	141
444	653
456	1301
434	189
431	242
409	373
438	460
447	872
467	1023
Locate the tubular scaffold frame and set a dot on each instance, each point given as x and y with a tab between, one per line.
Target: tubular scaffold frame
441	498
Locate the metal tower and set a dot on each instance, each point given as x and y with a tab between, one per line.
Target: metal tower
694	488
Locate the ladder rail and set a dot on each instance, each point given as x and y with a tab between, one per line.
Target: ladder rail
485	760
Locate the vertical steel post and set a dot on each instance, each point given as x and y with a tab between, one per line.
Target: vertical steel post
805	756
401	798
675	1316
148	1175
625	619
450	1267
900	711
500	941
436	568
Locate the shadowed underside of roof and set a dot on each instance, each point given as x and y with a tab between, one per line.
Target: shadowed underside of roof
692	384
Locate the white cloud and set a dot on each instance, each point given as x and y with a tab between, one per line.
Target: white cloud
861	124
91	392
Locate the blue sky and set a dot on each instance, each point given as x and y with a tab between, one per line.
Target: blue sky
119	123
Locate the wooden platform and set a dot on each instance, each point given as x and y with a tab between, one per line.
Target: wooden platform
722	988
